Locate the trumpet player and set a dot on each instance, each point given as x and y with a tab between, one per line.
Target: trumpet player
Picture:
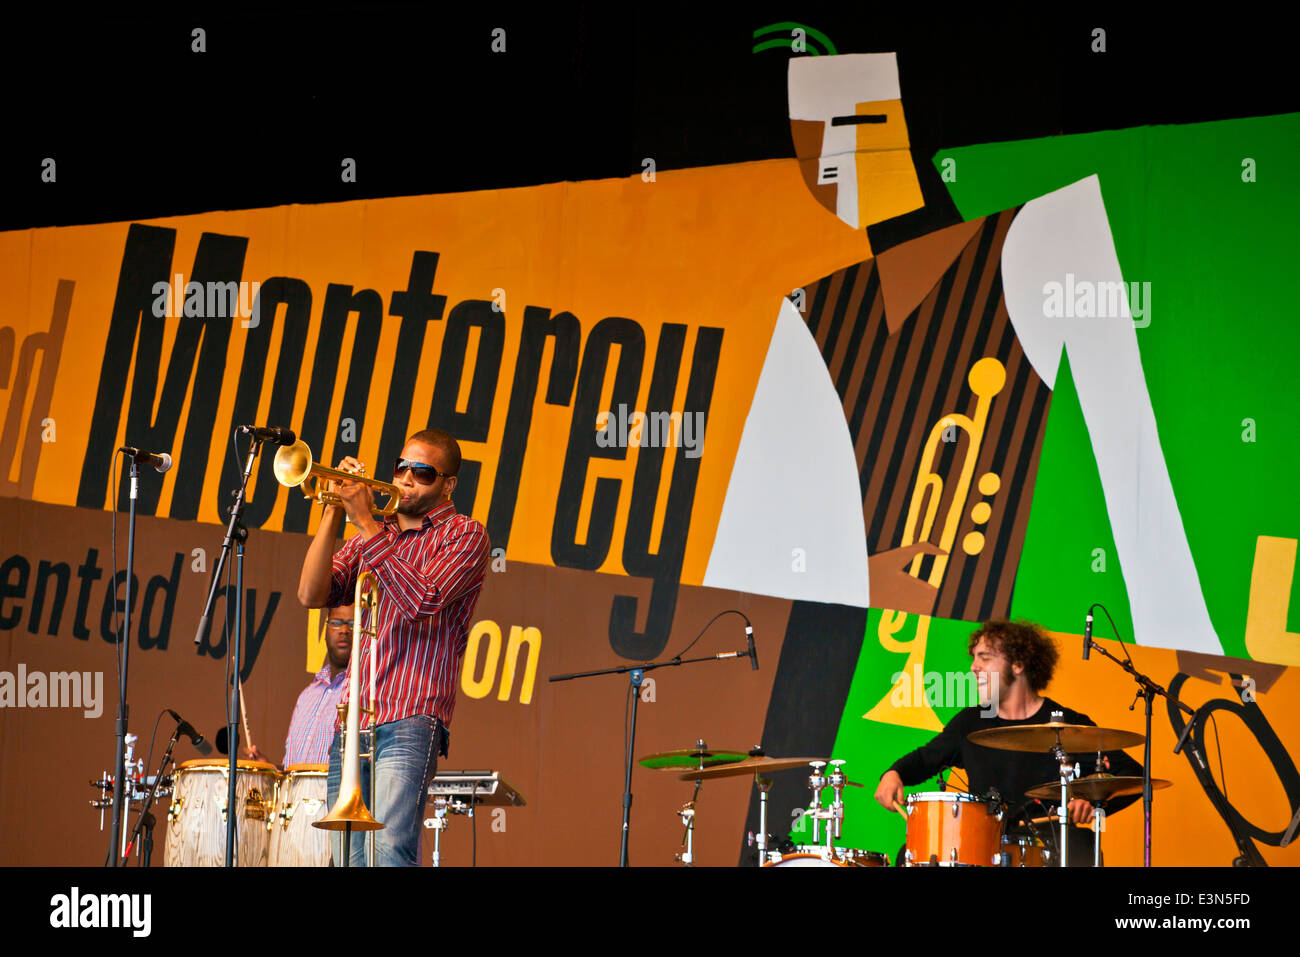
430	563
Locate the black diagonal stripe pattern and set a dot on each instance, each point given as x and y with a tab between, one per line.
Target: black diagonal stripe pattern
915	376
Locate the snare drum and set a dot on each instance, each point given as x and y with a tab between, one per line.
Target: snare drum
300	801
196	820
951	829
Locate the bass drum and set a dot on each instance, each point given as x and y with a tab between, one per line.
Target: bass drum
301	801
810	855
196	820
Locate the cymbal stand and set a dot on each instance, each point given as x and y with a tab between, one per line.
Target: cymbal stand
687	814
1067	773
438	824
764	785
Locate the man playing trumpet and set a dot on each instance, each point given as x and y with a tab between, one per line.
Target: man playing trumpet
430	563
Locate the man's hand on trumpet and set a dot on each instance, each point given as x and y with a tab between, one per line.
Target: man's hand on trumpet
358	498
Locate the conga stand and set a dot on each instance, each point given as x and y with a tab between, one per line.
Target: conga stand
145	822
235	533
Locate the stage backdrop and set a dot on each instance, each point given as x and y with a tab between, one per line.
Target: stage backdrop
781	387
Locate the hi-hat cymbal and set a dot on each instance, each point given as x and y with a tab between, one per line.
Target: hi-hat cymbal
690	758
1044	737
1097	787
749	765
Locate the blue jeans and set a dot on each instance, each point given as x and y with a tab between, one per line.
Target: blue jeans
407	757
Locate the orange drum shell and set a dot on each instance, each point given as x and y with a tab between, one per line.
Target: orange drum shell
950	829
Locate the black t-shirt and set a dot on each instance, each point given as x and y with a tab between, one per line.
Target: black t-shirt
1010	773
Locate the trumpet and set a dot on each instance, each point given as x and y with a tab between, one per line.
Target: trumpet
349	812
293	465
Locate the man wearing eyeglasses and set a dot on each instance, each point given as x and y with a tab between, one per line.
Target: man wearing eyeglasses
430	563
315	715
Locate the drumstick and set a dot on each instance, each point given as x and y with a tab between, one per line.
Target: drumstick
899	808
243	713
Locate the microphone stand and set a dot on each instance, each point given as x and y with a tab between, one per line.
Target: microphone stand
635	674
146	819
123	711
235	532
1147	690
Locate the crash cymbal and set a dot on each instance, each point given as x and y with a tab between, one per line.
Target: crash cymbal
1043	737
690	758
1097	787
748	766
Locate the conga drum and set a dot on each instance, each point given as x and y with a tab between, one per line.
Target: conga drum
196	820
301	801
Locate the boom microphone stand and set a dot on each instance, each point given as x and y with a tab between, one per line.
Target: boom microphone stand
1147	690
236	533
635	675
119	762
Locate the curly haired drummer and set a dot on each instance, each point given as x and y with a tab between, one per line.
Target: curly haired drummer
1013	663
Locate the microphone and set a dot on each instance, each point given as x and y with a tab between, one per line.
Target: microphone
161	461
749	640
1087	635
187	729
272	433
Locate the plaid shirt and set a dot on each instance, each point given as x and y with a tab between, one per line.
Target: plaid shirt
430	579
311	729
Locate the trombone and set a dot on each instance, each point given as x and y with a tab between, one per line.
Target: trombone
349	812
293	465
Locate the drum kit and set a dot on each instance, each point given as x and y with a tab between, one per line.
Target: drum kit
944	828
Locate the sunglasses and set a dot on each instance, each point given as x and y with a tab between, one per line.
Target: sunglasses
339	622
423	472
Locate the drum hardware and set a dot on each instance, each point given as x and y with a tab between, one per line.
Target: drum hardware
758	765
696	758
1059	738
460	792
636	675
828	854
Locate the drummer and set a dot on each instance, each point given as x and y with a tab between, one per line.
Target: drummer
315	716
1017	659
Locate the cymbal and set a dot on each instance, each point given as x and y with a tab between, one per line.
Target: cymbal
690	758
1043	737
754	765
1097	787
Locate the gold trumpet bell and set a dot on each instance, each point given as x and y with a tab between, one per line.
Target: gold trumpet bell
293	466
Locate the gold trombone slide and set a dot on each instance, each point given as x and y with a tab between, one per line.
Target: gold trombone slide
293	465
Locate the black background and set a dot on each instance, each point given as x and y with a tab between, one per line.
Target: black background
142	127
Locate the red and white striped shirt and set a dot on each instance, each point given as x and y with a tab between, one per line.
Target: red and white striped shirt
430	579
